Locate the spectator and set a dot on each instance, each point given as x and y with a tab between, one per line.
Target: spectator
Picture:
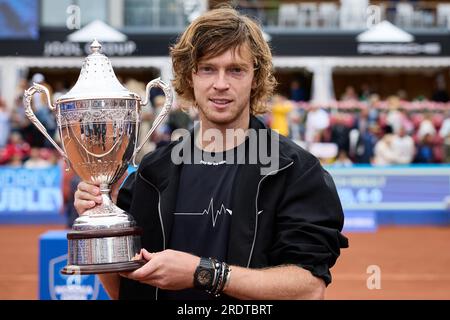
4	124
317	121
297	124
403	146
444	133
362	144
35	160
384	149
179	119
426	127
297	91
362	120
425	149
16	150
373	101
340	133
281	107
349	94
394	117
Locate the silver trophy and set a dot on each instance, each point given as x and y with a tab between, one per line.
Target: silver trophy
98	122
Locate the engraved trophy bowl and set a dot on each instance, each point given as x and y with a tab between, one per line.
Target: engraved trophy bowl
98	123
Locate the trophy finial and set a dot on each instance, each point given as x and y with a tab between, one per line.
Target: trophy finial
95	46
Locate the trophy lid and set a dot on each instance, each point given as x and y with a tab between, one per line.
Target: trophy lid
97	80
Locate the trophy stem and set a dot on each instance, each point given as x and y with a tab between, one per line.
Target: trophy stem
107	207
106	198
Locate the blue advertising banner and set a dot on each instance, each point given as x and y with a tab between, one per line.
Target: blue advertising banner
30	193
393	188
55	286
393	195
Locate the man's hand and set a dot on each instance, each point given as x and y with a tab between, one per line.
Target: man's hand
168	269
88	195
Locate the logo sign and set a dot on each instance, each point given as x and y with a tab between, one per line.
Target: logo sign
67	48
384	38
114	43
28	191
70	287
432	48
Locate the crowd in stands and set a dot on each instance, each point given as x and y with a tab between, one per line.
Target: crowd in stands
362	129
359	128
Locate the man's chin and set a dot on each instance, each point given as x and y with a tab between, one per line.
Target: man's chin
220	118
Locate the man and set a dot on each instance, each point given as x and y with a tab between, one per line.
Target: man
227	228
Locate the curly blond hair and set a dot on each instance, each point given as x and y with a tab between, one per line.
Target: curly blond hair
211	35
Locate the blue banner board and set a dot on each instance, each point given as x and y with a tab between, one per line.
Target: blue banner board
55	286
396	194
393	188
26	194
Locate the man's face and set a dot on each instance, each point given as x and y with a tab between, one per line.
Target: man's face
222	87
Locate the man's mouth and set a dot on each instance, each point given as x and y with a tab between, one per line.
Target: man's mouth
220	102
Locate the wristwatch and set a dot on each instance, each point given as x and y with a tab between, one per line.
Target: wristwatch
204	274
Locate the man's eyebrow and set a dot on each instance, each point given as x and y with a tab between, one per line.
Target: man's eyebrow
233	64
242	65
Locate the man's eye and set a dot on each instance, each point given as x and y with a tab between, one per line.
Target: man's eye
236	70
205	69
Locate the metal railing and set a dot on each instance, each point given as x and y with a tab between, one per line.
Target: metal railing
347	14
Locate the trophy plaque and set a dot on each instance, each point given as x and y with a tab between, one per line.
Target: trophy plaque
98	123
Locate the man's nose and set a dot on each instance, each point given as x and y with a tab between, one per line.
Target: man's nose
221	82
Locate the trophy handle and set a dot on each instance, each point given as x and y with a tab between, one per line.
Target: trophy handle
164	112
28	95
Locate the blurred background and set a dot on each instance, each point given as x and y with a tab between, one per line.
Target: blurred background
363	85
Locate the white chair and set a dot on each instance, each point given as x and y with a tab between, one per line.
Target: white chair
288	15
308	14
353	14
405	15
328	15
443	15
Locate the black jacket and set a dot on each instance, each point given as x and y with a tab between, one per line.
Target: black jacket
291	216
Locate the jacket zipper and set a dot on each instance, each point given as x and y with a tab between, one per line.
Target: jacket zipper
160	219
257	211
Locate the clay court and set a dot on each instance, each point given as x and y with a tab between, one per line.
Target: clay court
413	262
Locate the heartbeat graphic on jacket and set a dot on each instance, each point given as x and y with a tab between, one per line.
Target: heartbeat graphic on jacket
210	209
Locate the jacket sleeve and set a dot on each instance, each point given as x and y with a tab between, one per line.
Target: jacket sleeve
126	192
309	223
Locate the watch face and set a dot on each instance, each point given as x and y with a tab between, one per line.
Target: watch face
204	277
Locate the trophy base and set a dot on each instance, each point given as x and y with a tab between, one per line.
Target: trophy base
104	251
103	268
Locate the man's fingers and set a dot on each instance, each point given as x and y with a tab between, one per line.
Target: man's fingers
89	188
143	273
86	191
147	255
84	204
82	195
